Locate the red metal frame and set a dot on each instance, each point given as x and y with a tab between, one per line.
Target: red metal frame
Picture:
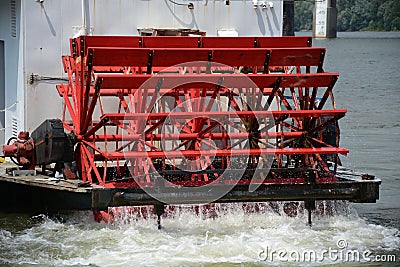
126	100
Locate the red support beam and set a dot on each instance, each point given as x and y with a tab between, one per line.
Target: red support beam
224	114
126	81
167	57
190	136
226	153
191	42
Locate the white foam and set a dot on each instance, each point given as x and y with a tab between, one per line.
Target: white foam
233	236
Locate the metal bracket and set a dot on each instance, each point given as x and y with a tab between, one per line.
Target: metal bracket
255	42
19	172
210	56
321	62
74	53
150	62
266	63
82	47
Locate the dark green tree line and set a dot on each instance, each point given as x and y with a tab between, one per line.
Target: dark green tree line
354	15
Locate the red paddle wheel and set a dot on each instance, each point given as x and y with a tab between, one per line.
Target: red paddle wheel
165	113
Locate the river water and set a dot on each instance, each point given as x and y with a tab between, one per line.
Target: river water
369	87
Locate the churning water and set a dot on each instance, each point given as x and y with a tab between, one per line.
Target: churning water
234	236
369	87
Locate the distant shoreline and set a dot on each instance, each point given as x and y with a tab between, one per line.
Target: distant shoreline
360	34
352	31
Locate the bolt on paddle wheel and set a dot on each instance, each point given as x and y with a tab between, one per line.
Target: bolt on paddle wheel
182	113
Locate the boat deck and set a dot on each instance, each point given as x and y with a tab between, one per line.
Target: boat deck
43	193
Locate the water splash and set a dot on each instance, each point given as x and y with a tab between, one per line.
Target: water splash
229	235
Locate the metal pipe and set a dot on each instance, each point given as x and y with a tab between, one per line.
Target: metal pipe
85	17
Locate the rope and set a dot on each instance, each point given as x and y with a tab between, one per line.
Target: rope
9	107
189	5
179	4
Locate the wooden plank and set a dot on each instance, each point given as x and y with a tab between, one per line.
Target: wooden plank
240	57
114	56
284	41
296	56
123	81
170	42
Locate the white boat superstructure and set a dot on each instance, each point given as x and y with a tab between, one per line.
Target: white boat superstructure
34	34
